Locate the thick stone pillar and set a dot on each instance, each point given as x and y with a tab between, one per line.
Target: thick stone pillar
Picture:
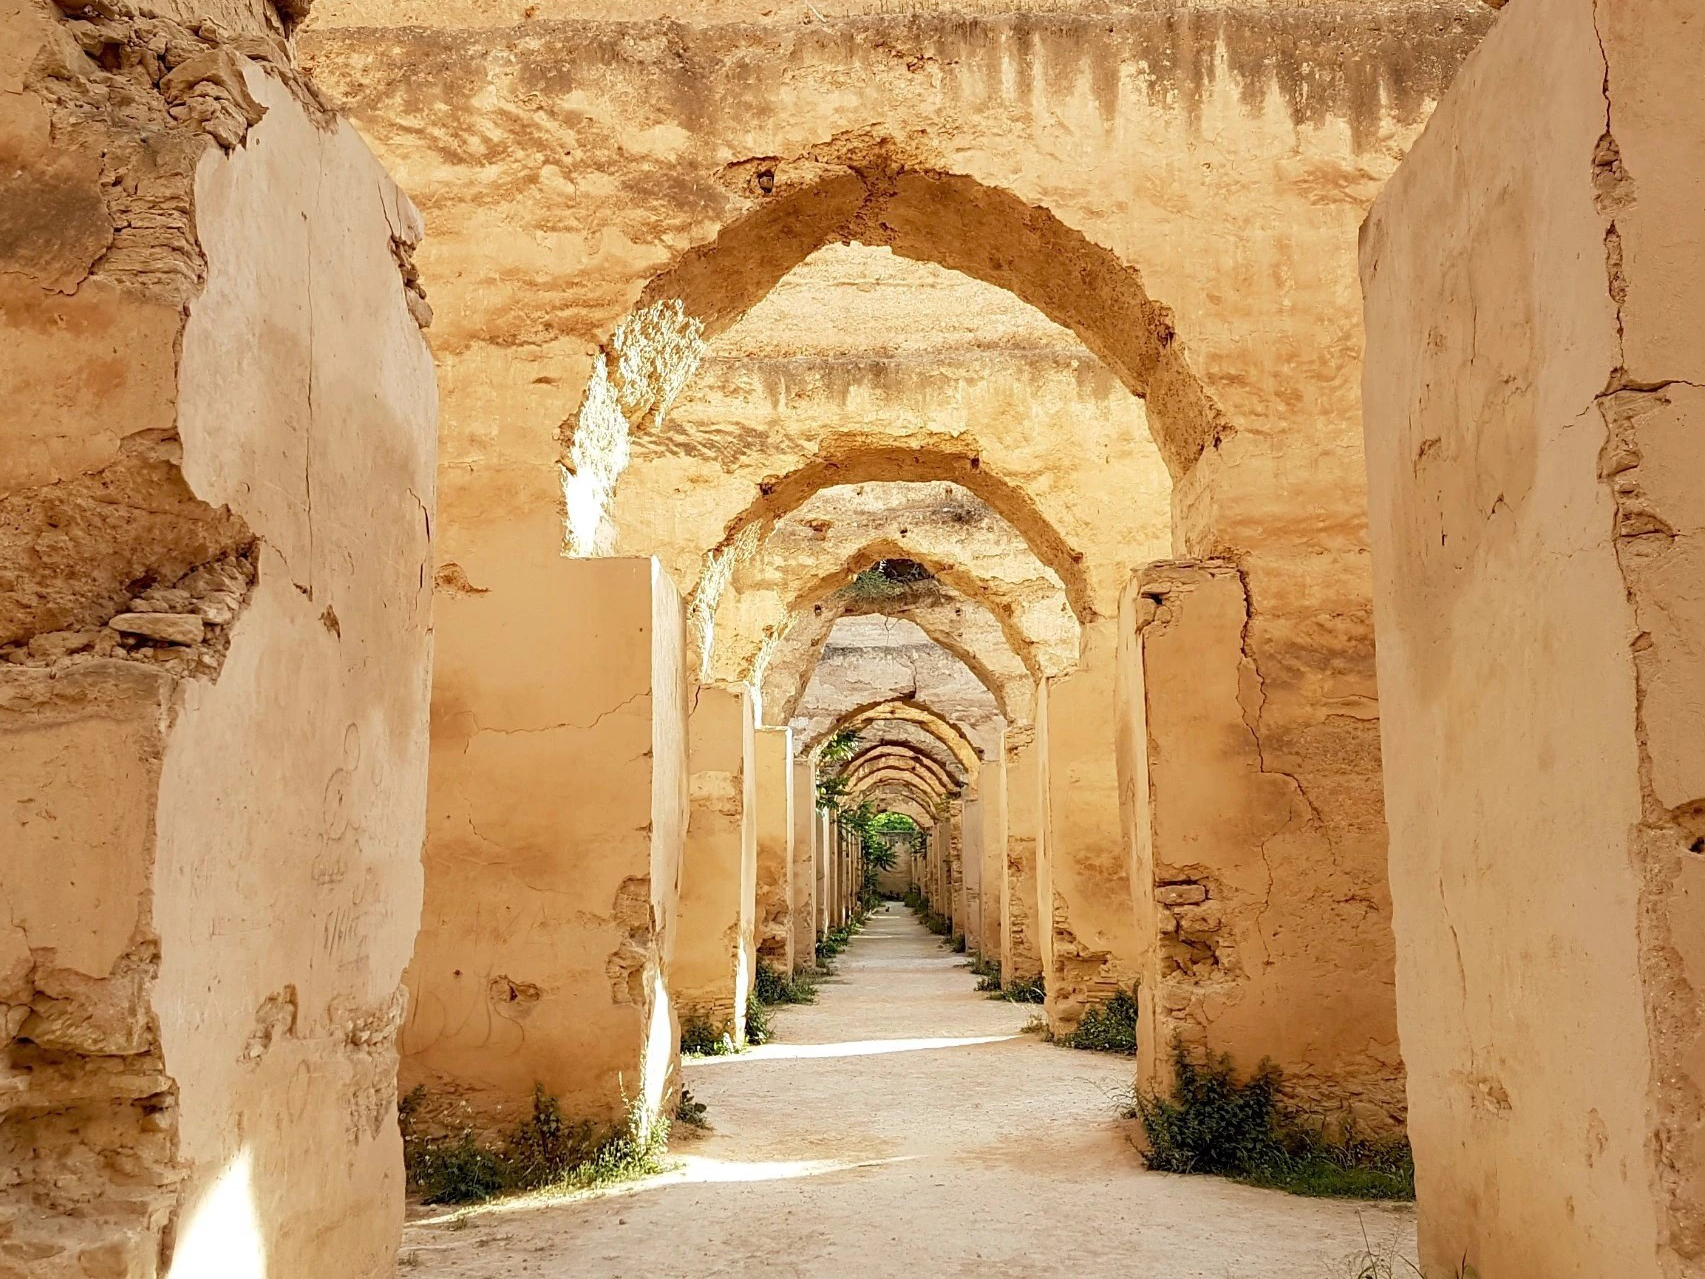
971	872
991	786
715	955
831	872
1088	941
953	868
823	849
1535	410
1021	952
850	865
774	777
1254	945
549	913
216	496
804	900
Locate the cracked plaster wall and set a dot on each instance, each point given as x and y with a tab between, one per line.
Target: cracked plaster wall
1533	277
773	921
554	854
215	525
1021	953
716	953
1259	937
1229	152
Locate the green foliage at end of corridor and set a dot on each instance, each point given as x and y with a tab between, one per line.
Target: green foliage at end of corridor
544	1152
1215	1123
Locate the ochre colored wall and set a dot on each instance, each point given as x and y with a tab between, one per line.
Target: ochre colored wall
1091	950
212	869
1253	944
991	783
553	850
1534	421
1020	948
715	952
804	906
774	795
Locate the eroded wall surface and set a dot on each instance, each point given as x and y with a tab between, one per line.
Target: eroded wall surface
1534	416
1252	944
557	814
1088	941
803	905
1021	956
991	783
215	520
774	793
716	951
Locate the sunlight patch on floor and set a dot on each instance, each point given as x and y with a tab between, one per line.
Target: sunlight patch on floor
851	1048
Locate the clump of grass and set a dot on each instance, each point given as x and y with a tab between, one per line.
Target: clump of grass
758	1027
936	923
1027	990
1036	1025
987	972
1386	1261
690	1111
957	944
699	1038
1215	1123
1106	1028
834	941
544	1152
774	988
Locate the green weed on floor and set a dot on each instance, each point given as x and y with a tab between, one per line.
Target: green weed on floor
1212	1122
1023	990
544	1152
1107	1028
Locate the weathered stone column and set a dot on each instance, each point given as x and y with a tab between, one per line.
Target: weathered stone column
1088	944
774	768
823	849
549	910
971	872
1535	411
953	873
804	908
1248	946
715	955
991	786
838	873
849	875
1021	954
216	497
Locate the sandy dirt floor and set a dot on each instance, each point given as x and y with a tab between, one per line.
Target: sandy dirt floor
903	1126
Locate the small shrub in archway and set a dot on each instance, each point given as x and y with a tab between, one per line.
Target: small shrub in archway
774	988
543	1152
690	1111
1023	990
699	1038
758	1028
1215	1123
1106	1028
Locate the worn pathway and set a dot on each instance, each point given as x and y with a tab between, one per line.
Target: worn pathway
903	1126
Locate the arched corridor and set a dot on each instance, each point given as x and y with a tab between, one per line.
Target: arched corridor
902	1126
901	576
